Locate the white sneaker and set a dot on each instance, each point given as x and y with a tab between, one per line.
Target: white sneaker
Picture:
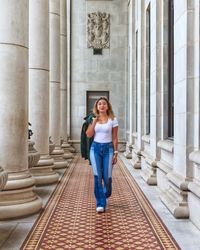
100	209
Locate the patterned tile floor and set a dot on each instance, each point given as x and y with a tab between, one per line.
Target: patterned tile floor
70	221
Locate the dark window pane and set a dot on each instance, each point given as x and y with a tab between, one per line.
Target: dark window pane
171	69
92	96
148	66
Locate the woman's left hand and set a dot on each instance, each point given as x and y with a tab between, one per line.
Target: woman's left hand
114	160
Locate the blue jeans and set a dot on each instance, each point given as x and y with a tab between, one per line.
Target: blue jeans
101	155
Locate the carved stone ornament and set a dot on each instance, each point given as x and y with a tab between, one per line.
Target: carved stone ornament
33	155
3	178
98	30
51	145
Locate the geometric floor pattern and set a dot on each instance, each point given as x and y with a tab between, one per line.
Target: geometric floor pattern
70	221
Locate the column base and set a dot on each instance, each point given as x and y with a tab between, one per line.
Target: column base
67	153
175	198
65	144
60	164
68	146
148	172
162	170
136	159
194	202
128	152
71	149
58	156
68	156
14	211
194	188
128	155
43	173
17	198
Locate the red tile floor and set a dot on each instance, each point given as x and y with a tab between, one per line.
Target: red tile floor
70	221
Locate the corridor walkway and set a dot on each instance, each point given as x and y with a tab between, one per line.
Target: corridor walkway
70	220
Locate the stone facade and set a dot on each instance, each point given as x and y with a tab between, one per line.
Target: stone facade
106	72
32	78
170	162
134	69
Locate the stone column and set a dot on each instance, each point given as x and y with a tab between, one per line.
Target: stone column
17	198
166	145
176	197
54	15
151	152
131	80
194	185
39	89
63	78
68	18
137	147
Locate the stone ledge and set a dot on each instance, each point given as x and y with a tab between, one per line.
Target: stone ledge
195	157
164	166
178	180
137	151
178	209
194	187
135	134
146	138
99	0
167	145
151	161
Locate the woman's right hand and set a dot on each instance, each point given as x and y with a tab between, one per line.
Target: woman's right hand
90	129
95	119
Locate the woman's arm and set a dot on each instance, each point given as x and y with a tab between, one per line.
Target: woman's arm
91	126
115	143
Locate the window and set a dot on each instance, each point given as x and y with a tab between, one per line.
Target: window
171	69
136	85
148	67
92	96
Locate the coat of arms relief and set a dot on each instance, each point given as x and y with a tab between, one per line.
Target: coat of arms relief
98	30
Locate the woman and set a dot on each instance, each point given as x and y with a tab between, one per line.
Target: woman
103	151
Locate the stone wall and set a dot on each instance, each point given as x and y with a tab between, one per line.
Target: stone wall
169	160
106	72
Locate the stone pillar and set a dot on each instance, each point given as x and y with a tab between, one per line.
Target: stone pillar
17	198
141	67
194	185
166	145
176	197
68	13
151	152
54	15
39	89
63	78
130	81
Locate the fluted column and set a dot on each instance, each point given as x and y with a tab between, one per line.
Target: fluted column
54	15
63	78
39	89
17	198
176	195
150	152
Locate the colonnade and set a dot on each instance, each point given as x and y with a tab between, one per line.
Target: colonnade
33	76
169	161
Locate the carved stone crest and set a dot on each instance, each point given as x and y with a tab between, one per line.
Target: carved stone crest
98	30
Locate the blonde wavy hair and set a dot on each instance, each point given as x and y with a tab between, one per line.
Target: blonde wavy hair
110	112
